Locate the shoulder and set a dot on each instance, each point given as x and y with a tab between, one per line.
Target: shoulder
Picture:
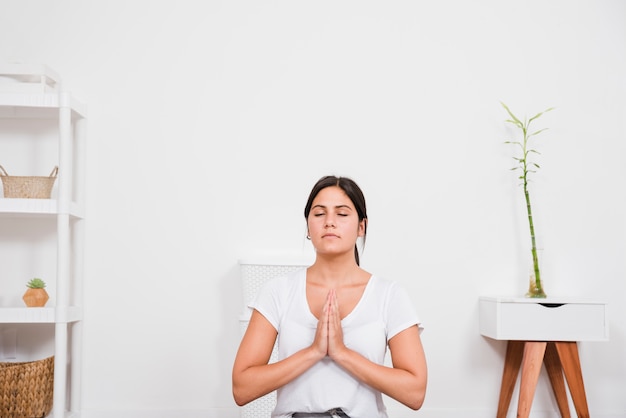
389	292
275	294
284	283
381	284
397	305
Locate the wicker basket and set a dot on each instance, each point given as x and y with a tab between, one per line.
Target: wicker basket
26	388
30	187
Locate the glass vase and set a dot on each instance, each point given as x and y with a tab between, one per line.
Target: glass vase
535	282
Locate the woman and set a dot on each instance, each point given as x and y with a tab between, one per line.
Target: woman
333	322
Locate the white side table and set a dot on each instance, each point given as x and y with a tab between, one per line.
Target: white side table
542	330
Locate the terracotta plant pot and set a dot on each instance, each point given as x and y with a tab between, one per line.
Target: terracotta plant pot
35	297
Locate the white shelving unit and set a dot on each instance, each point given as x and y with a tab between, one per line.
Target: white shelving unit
40	102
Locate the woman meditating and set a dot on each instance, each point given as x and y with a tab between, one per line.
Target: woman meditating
333	322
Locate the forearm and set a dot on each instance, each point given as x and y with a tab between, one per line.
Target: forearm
406	387
256	381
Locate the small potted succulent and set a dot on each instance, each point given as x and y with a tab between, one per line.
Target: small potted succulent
36	295
526	166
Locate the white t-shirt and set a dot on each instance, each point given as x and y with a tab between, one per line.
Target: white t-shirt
384	310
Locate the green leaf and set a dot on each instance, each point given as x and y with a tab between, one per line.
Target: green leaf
36	283
537	132
539	114
515	119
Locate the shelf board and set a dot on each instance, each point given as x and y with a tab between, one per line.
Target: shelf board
33	207
68	414
38	105
40	315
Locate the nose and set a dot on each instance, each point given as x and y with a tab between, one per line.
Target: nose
330	222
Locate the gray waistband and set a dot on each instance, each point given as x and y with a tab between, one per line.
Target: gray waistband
338	413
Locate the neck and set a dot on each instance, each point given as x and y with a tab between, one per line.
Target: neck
334	270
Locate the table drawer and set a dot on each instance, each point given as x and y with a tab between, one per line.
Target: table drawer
543	319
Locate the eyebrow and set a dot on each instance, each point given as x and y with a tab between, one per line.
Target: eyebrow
336	207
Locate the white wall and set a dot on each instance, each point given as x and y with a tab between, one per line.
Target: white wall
209	122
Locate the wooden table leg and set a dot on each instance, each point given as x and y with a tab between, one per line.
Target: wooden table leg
512	362
560	358
555	373
568	354
531	366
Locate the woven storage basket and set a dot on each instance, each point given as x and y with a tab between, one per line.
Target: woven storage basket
31	187
26	388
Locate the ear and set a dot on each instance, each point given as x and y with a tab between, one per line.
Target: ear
362	227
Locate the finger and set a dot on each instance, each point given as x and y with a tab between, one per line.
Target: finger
321	335
334	325
336	317
335	303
